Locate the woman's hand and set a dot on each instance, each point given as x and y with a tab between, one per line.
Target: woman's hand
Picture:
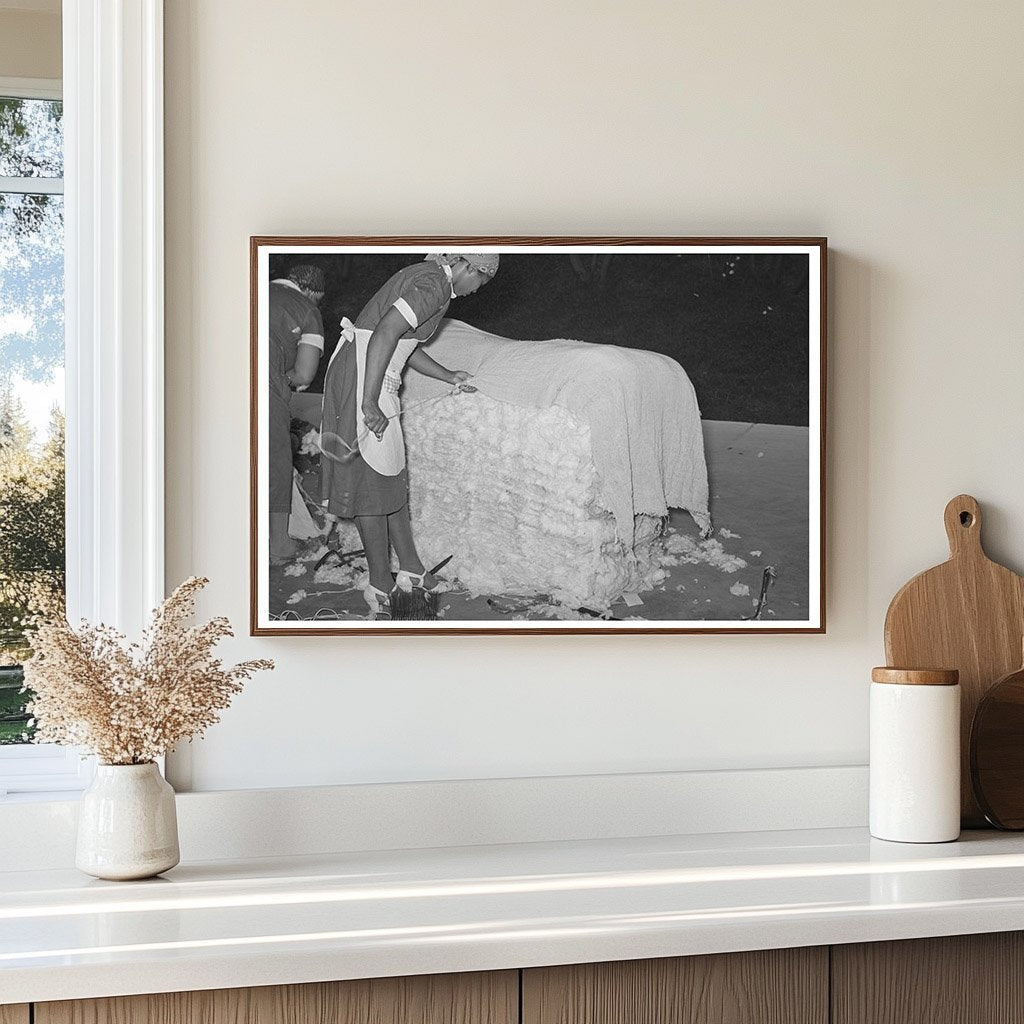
375	419
458	379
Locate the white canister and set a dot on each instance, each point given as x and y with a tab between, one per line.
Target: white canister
915	755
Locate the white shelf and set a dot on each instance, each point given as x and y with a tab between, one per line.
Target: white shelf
354	915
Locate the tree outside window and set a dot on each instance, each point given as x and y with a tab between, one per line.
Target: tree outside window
31	386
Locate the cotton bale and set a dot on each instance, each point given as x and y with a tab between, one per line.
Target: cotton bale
513	495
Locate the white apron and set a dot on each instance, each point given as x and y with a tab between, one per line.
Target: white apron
386	455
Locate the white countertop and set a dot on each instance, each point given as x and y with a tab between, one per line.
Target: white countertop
224	924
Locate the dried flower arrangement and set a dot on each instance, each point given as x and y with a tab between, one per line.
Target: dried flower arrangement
130	703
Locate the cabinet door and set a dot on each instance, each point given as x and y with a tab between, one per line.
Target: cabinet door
778	986
483	998
961	979
14	1014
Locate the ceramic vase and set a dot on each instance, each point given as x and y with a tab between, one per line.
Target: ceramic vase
127	825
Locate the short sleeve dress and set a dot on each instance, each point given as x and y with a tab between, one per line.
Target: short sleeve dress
421	293
294	320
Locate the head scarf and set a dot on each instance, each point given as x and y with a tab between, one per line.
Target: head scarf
308	277
487	262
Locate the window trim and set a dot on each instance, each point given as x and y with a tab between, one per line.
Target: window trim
113	168
32	88
30	186
114	331
43	768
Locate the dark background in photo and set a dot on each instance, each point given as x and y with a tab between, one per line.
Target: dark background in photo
737	324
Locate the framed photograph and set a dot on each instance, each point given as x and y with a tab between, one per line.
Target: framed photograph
537	435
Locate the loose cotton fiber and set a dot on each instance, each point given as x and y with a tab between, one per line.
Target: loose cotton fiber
513	495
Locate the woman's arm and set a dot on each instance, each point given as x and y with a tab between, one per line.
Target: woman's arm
430	367
307	360
379	350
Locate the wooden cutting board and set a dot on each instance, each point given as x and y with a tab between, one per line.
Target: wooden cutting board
997	752
967	614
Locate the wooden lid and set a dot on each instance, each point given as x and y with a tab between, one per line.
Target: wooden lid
916	676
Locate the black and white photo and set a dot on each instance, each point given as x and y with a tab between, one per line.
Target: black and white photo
537	435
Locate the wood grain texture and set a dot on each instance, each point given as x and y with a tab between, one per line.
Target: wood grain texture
915	676
967	614
777	986
14	1014
961	979
480	998
997	752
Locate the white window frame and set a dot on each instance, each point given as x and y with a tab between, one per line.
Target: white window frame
114	334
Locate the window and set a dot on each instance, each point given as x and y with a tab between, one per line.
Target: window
113	330
32	533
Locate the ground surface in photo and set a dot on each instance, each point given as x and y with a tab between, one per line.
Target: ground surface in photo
758	476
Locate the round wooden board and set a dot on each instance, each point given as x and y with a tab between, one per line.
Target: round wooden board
997	752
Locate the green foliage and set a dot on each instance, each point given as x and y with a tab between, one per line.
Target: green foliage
31	146
31	138
31	512
14	727
31	543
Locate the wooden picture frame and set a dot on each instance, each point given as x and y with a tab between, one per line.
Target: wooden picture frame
747	314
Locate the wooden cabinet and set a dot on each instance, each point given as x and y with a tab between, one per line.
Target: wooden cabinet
967	979
491	998
778	986
962	979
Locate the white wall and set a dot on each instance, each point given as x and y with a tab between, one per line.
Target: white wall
30	41
895	129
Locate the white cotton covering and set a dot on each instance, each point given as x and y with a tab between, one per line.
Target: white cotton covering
554	478
646	438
